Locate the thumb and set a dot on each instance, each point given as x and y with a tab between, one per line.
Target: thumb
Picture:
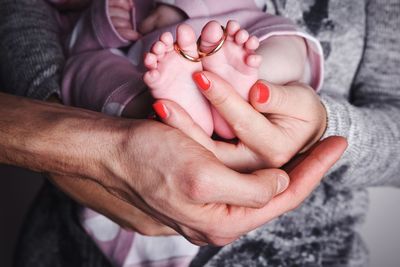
292	99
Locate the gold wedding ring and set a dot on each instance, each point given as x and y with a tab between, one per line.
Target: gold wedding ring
183	54
201	53
216	49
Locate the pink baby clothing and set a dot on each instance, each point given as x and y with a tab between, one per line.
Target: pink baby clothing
102	77
104	73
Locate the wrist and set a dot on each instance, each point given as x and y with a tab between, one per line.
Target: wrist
52	138
320	128
83	141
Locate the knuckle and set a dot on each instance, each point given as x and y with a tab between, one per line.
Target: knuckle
240	125
259	203
196	187
263	197
280	96
280	159
219	99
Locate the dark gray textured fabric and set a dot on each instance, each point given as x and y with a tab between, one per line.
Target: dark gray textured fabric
362	97
52	235
31	55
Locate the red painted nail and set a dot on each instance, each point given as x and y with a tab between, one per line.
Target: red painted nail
201	80
263	92
161	110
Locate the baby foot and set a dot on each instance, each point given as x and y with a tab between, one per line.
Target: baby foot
170	75
236	62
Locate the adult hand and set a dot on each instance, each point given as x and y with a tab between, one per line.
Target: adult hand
221	197
146	164
92	195
279	122
181	184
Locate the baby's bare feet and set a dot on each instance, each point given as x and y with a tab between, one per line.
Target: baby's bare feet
170	75
236	62
120	12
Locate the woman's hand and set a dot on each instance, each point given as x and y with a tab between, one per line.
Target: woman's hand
278	123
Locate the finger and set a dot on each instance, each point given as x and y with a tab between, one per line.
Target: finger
128	34
306	175
175	116
234	156
117	12
303	179
124	4
295	100
251	127
121	23
149	24
219	184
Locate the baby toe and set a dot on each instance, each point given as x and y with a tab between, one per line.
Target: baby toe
252	43
186	39
158	48
211	36
241	37
150	61
151	77
232	27
253	60
168	40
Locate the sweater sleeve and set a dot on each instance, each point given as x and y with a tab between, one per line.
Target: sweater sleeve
30	49
371	119
203	8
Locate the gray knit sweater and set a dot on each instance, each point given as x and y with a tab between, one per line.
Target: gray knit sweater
361	43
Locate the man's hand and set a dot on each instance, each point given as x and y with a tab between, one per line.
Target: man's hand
162	16
181	184
92	195
145	164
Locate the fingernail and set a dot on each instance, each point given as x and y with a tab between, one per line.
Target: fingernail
263	92
160	110
201	80
283	182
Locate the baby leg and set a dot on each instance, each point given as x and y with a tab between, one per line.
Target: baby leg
105	81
